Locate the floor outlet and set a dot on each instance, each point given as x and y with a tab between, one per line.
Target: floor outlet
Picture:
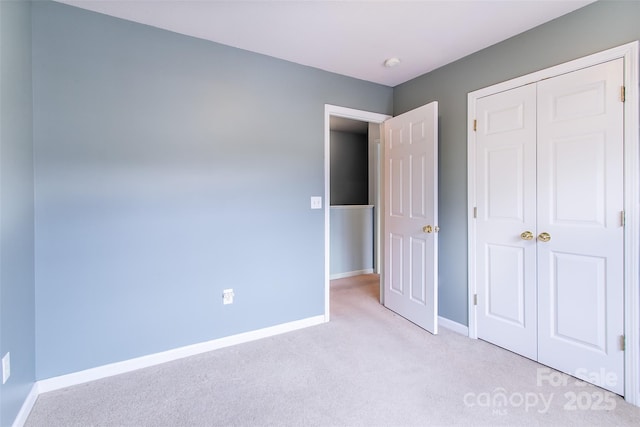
6	367
227	296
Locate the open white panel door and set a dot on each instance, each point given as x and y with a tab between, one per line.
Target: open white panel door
411	216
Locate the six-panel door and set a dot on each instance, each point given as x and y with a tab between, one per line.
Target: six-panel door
548	230
506	208
580	201
411	206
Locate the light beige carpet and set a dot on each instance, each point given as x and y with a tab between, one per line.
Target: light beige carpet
367	367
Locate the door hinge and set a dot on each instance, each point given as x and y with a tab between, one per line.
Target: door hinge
475	212
622	93
622	343
475	299
622	219
475	125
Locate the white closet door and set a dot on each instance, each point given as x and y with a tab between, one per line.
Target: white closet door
580	201
506	197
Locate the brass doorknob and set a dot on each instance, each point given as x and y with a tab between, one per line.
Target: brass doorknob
430	229
526	235
544	237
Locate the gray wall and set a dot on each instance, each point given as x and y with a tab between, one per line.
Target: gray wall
349	168
17	310
597	27
351	239
167	169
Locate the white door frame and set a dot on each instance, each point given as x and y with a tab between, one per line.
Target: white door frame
349	113
631	195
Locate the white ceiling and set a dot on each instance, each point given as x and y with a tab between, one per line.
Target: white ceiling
352	38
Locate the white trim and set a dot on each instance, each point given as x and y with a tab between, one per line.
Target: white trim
27	406
632	226
351	274
471	207
624	51
453	326
351	207
349	113
125	366
629	52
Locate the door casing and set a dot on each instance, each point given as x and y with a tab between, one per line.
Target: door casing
629	52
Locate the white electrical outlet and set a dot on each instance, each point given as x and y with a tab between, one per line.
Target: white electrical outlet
6	367
227	296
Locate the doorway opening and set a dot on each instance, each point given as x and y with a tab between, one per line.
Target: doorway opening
341	119
354	154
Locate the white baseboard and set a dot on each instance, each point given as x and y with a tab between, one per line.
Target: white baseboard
117	368
350	274
27	406
453	326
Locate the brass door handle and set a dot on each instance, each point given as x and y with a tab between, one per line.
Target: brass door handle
430	229
544	237
526	235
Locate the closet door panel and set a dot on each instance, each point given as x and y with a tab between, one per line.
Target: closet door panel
579	205
506	266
